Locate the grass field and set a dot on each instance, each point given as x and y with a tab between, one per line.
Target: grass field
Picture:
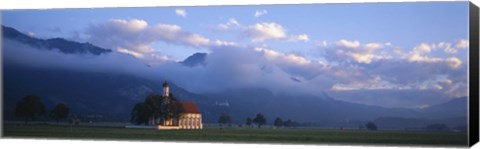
252	135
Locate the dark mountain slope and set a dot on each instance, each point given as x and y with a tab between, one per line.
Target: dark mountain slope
197	59
65	46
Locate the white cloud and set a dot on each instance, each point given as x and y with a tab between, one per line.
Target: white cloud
436	82
415	57
419	55
372	47
324	43
224	43
294	64
462	44
354	51
397	50
232	22
348	44
261	32
181	12
265	31
302	37
454	62
31	34
134	37
423	48
130	52
447	48
259	13
375	83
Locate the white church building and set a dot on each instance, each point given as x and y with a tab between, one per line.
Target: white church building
190	118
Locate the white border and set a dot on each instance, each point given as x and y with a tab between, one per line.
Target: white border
55	4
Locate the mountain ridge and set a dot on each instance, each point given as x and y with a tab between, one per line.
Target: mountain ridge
65	46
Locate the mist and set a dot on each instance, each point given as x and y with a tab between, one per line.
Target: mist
228	67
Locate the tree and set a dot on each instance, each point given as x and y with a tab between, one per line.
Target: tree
170	108
154	108
248	122
278	122
153	105
290	123
259	120
140	114
371	126
224	119
29	108
60	111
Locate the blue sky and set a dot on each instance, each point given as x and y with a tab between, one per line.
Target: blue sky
371	42
403	24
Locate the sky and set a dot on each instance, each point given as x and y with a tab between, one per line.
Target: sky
410	55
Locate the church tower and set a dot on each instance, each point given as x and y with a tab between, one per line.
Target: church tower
165	89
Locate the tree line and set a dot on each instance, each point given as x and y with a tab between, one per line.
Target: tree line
260	120
31	107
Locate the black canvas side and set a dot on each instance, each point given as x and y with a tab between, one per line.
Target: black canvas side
473	76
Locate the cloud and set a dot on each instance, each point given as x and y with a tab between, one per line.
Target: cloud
462	44
265	31
113	62
261	32
447	48
348	44
294	65
375	83
135	37
372	47
232	22
419	55
259	13
422	48
173	34
31	34
353	51
378	83
181	12
452	62
357	69
302	37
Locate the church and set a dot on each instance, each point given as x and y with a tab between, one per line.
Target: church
189	118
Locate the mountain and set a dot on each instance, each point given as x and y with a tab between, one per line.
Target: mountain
452	113
452	108
65	46
197	59
114	95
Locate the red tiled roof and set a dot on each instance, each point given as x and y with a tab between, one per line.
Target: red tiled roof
190	107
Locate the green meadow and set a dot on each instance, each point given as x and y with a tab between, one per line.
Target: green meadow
239	135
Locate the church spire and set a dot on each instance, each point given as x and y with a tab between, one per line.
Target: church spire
165	89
